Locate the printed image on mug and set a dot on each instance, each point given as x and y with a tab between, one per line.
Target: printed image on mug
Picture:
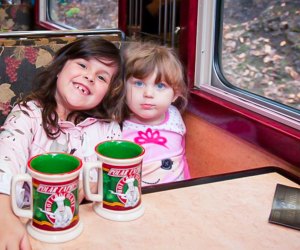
119	180
54	212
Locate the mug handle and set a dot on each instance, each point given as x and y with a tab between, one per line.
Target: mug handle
27	213
86	181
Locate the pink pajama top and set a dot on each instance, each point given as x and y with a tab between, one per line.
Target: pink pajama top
22	137
164	144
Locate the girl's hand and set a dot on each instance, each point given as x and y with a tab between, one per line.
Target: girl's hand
13	234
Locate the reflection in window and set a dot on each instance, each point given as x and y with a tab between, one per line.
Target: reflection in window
154	20
261	48
85	14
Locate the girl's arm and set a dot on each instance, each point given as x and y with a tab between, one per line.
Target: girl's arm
13	234
15	141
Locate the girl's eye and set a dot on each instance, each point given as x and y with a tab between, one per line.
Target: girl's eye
139	84
101	78
82	65
161	85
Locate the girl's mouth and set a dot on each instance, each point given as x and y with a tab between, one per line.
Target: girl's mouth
147	106
82	88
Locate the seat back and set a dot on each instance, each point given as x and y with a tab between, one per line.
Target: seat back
16	17
24	54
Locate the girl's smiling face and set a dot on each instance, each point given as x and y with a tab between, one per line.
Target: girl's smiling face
82	84
148	100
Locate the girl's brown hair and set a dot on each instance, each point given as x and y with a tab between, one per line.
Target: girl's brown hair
44	86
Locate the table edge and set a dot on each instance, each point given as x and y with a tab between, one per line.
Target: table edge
220	177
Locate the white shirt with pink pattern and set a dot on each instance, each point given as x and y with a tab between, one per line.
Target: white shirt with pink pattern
164	144
22	137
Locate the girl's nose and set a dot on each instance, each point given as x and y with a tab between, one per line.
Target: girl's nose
90	79
148	92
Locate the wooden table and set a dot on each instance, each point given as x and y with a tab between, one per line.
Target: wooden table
228	212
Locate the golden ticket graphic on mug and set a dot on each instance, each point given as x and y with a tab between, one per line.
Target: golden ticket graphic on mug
121	187
55	207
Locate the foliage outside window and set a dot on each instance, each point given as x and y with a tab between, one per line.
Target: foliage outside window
85	14
261	48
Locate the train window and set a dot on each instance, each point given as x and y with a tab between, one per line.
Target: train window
255	58
79	14
154	20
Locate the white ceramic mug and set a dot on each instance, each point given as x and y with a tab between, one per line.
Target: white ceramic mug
54	211
119	180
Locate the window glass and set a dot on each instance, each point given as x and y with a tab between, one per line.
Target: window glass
261	48
85	14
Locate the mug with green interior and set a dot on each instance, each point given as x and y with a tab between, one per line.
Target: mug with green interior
119	180
54	211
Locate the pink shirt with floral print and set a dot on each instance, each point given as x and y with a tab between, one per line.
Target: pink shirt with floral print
164	144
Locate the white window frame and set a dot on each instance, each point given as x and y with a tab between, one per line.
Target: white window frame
43	20
207	79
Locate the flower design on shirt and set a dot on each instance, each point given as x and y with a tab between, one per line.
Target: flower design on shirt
150	136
